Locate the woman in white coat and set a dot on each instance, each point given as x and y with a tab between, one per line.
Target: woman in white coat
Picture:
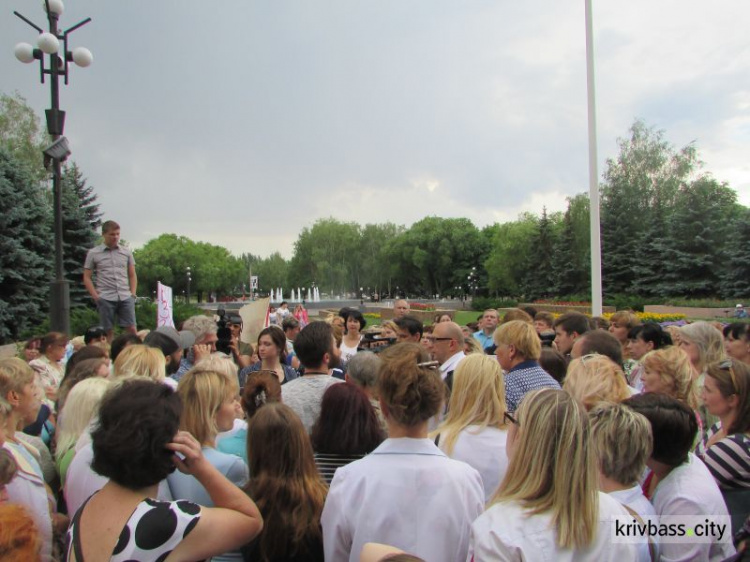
407	493
548	506
475	428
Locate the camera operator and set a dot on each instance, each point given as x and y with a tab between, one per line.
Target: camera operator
241	352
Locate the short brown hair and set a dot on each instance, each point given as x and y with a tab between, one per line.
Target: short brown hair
109	226
546	317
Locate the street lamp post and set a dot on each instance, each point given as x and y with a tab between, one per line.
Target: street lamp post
189	279
48	43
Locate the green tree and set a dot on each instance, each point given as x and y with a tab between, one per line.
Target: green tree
81	219
272	272
21	133
25	249
695	258
375	269
326	254
736	281
506	263
166	259
571	262
539	279
435	255
647	169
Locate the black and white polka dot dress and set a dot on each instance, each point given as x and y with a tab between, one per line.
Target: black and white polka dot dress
154	529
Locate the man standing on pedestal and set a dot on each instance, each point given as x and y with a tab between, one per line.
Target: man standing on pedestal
116	281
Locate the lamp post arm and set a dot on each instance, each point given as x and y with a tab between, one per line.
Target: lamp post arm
76	26
32	24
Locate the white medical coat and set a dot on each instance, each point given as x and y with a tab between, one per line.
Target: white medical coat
408	494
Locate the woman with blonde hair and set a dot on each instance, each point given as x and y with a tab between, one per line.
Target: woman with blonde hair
622	444
518	351
669	371
704	344
286	486
549	500
409	494
209	406
726	448
81	406
388	329
594	378
475	429
472	345
141	361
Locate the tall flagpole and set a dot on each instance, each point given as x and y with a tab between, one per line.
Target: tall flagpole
596	244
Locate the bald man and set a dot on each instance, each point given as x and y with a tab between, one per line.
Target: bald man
448	348
400	309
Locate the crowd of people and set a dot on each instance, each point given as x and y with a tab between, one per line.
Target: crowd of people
522	436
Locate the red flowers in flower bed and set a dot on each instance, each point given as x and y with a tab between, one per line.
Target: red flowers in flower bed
421	306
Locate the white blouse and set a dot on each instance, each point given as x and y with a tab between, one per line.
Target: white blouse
483	450
507	532
408	494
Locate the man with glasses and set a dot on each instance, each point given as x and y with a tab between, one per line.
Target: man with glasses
448	348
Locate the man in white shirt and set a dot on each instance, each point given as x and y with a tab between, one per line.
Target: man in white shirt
448	348
317	351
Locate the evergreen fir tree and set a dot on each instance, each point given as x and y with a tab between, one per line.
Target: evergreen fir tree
25	249
646	170
649	251
81	219
569	263
539	276
736	281
695	257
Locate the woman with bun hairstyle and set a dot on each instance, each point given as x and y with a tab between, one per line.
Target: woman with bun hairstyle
409	494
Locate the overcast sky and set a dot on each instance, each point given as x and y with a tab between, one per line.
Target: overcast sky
241	122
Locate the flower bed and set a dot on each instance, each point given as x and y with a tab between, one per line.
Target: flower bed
422	306
653	316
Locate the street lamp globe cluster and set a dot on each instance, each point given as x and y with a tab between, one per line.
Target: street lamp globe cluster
49	43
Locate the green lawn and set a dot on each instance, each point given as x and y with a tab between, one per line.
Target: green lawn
463	317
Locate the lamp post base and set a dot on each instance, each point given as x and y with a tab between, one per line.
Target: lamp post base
59	306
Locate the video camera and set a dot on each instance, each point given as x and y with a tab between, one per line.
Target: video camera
224	333
373	341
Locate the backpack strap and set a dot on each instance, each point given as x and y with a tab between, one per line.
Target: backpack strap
651	545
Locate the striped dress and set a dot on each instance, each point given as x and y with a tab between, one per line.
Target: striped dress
328	463
728	460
